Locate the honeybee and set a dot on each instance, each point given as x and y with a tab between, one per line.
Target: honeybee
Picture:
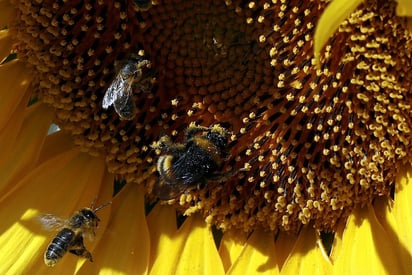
71	233
196	161
130	76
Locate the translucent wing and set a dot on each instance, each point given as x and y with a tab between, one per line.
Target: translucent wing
123	88
88	233
167	191
112	92
119	94
51	222
124	104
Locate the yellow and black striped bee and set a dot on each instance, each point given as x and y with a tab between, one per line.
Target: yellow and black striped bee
184	166
71	233
133	76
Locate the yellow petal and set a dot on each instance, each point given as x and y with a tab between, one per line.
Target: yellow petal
286	241
365	248
15	79
404	8
192	250
55	144
59	186
20	154
384	213
337	247
125	245
402	208
5	43
231	246
11	130
7	13
331	18
162	225
257	256
308	255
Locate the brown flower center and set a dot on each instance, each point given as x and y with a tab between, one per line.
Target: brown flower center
307	145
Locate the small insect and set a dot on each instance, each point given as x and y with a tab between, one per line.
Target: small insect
71	233
131	76
196	161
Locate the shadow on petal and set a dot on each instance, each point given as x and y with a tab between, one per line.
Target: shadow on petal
396	216
258	255
231	245
306	257
7	13
21	152
191	250
13	103
364	247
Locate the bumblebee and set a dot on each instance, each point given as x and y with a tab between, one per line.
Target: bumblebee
198	160
71	233
134	74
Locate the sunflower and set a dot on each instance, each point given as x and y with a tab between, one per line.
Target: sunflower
319	148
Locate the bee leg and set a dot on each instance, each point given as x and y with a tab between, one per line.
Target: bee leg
78	248
82	253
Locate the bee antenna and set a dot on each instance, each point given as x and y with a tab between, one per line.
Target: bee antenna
93	202
102	206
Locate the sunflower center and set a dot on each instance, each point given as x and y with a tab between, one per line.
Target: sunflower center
308	145
207	53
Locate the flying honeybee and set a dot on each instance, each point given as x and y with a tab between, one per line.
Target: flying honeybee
71	233
133	75
185	166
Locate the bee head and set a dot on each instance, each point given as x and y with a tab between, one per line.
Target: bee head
85	216
129	69
218	136
131	66
89	214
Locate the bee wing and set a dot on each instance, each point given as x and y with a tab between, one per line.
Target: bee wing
51	222
114	91
167	191
125	107
109	97
89	234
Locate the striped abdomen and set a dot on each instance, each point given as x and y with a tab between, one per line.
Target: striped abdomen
58	246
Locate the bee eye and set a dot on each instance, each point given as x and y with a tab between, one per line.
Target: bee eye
89	214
